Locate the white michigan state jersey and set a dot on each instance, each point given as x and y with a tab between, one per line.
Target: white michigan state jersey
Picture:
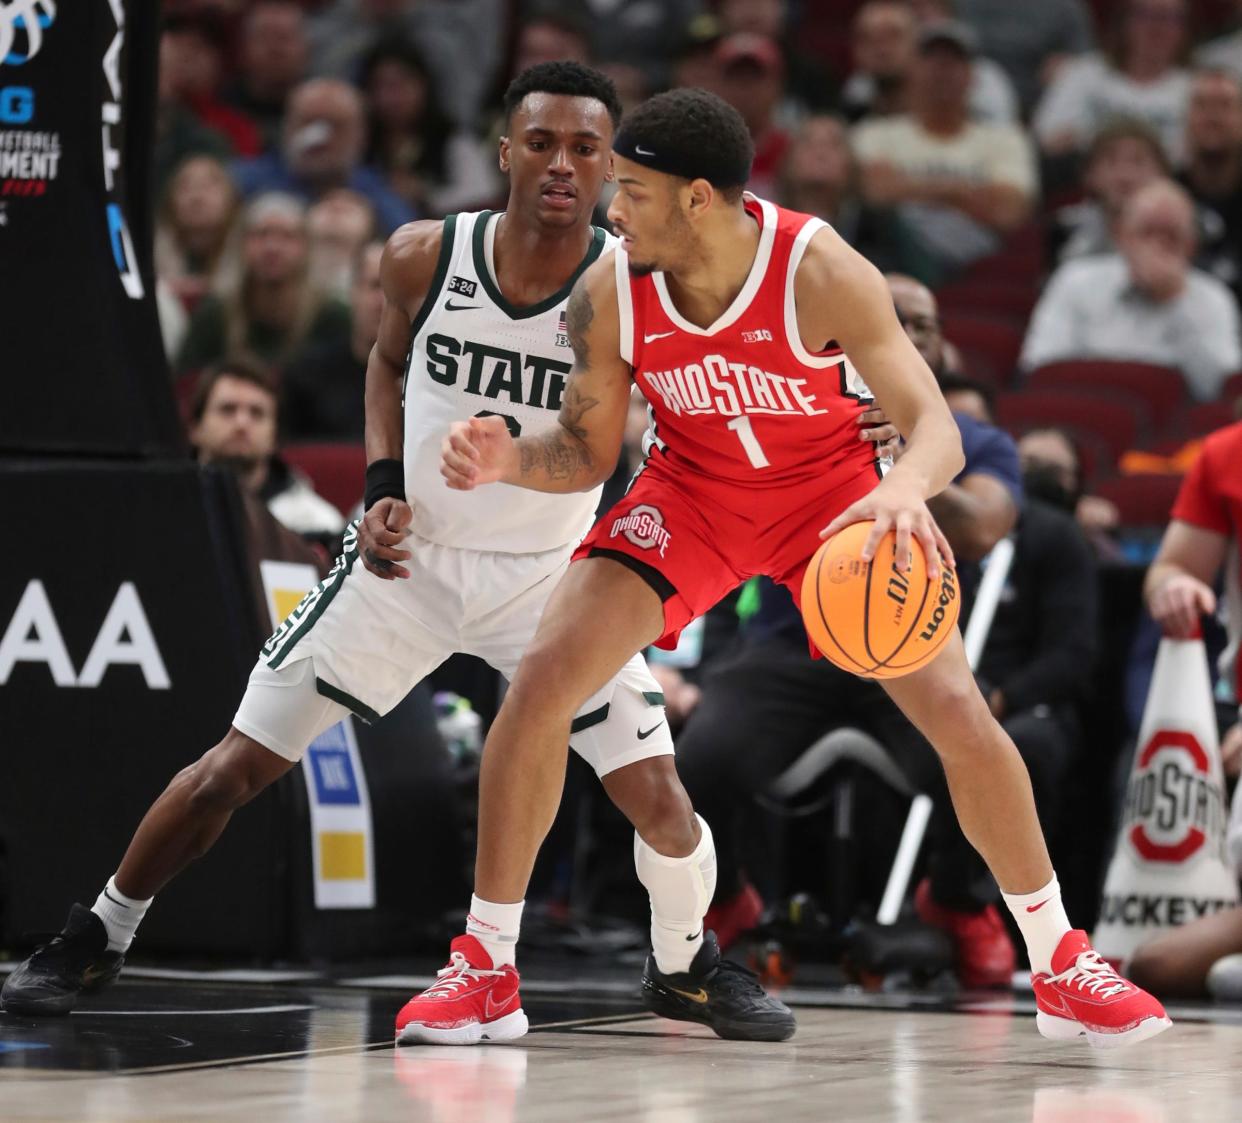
473	354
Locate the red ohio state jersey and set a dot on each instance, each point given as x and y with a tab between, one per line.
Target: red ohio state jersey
742	400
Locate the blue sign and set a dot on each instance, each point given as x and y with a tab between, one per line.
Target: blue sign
333	769
16	105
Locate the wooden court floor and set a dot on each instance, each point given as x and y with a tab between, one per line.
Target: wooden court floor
170	1049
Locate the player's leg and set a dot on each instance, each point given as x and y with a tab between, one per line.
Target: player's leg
631	749
180	826
991	793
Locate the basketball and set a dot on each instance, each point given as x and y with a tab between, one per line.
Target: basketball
871	619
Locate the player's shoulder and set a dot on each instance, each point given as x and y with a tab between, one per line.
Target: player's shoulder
599	279
831	264
1223	448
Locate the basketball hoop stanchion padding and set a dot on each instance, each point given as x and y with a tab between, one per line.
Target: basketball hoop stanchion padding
1170	864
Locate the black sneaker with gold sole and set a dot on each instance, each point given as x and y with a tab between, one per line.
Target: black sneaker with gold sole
74	961
720	994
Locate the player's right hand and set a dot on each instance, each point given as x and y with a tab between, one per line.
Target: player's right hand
383	528
476	452
1178	604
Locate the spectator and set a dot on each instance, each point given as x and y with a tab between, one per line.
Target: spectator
339	225
764	704
322	144
960	185
820	177
1031	42
235	426
273	50
1124	156
192	229
1145	303
179	134
1199	545
1139	75
460	39
1226	52
323	391
192	57
885	41
1213	172
694	61
551	35
271	311
433	166
806	78
969	396
753	82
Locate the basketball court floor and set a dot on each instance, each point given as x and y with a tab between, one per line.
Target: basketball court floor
265	1046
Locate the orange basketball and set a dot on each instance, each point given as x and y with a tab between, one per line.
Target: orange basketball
871	619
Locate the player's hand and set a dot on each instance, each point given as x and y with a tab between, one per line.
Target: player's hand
895	505
875	426
1179	602
1231	750
476	452
382	529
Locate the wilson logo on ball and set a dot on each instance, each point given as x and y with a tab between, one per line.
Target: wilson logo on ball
1174	806
948	594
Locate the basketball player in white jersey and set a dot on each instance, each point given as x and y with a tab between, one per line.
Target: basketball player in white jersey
473	325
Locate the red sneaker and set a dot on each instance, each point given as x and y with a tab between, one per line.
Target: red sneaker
470	1001
985	953
732	919
1085	995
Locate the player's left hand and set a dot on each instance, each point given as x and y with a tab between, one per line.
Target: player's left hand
875	426
896	505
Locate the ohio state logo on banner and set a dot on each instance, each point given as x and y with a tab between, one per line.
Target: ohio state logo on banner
1174	805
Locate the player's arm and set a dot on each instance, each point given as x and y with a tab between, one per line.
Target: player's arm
1178	586
842	296
406	272
581	450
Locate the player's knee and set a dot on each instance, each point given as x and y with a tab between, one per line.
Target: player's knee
542	684
225	777
657	805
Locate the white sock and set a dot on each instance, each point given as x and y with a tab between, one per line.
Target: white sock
1042	920
496	927
120	914
681	890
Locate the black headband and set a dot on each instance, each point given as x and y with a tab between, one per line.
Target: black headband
716	168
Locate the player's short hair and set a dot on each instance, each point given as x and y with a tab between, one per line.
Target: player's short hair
692	134
242	368
568	79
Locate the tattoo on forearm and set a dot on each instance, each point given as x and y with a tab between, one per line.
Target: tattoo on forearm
563	453
579	313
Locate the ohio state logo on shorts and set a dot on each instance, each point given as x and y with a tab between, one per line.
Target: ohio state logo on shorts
644	526
1174	805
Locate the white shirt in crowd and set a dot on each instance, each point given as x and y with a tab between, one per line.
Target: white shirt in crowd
992	96
1089	91
1091	310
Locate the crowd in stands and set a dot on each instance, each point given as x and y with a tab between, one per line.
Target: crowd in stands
1054	188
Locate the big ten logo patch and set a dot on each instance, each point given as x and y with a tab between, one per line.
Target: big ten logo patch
763	335
644	526
462	287
1174	807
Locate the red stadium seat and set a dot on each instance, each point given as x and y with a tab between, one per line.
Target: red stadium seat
1113	423
1011	300
338	471
996	342
1161	390
1206	417
1144	500
1232	389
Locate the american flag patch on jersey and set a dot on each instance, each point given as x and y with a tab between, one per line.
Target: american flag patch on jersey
562	330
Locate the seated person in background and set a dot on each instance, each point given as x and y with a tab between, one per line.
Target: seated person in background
1145	303
1124	156
271	310
960	185
272	54
1138	75
1032	42
1225	51
1213	172
1201	541
339	225
192	228
322	391
321	149
765	704
234	425
820	177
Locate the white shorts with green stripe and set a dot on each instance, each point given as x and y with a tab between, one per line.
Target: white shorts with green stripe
357	643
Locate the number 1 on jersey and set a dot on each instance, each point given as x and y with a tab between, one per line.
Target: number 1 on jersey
745	434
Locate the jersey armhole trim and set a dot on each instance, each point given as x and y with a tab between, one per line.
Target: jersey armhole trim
792	335
437	278
625	306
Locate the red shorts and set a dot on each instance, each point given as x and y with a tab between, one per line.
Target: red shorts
695	539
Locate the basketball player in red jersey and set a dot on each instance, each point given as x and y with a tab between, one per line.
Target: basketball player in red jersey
735	319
